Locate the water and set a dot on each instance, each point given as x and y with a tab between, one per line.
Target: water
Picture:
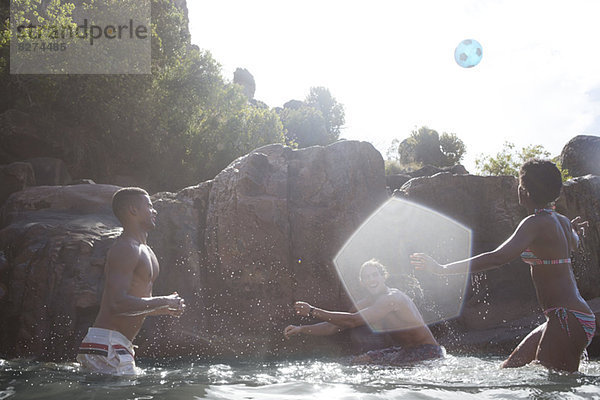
451	378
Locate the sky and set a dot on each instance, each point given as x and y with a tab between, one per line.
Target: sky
391	64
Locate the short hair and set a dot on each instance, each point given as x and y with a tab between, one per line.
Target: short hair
373	262
123	198
542	179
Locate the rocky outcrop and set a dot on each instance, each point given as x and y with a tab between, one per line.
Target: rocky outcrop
240	249
244	78
273	221
54	241
243	247
395	182
581	196
489	206
429	170
500	307
581	156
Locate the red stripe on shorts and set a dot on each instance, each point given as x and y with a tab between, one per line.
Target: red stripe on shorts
118	346
93	346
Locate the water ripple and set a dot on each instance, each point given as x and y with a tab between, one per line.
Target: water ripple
451	378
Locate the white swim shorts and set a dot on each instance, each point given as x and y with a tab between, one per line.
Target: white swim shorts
107	352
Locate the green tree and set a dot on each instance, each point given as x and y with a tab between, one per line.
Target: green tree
333	112
316	121
175	127
452	148
425	147
305	126
508	160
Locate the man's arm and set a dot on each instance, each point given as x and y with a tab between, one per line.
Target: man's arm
121	264
320	329
346	319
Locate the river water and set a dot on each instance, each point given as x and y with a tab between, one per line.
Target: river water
456	377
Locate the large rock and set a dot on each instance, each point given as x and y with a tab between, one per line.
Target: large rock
429	170
273	222
581	155
54	241
581	196
395	182
240	249
490	207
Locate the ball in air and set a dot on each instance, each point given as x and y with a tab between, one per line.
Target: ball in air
468	53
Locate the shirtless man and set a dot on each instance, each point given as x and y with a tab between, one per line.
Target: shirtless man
130	271
385	309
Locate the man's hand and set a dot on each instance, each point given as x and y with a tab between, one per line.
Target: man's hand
580	226
292	330
175	305
425	262
302	308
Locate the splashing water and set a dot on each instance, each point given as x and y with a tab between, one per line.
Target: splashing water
450	378
393	232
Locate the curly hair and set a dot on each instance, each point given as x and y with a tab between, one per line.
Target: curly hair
374	263
542	179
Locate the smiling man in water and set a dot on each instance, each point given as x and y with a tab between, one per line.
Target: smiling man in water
130	271
385	309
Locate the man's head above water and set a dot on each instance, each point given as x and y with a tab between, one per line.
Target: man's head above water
373	275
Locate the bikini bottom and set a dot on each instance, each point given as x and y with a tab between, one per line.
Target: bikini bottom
587	321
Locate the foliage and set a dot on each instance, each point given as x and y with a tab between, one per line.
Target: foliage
508	160
426	147
564	172
305	126
333	112
393	167
316	121
175	127
452	148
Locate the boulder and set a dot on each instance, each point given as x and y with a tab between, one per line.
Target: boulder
581	196
15	177
581	155
429	170
273	223
489	206
243	247
240	249
54	241
244	78
396	181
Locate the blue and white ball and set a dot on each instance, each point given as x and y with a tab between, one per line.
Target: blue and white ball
468	53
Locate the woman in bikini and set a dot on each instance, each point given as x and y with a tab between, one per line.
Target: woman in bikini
544	240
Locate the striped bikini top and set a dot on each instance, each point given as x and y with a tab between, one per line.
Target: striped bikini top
528	257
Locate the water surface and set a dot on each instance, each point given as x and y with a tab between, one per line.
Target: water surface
456	377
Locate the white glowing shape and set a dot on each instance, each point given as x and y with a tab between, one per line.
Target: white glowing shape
393	232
